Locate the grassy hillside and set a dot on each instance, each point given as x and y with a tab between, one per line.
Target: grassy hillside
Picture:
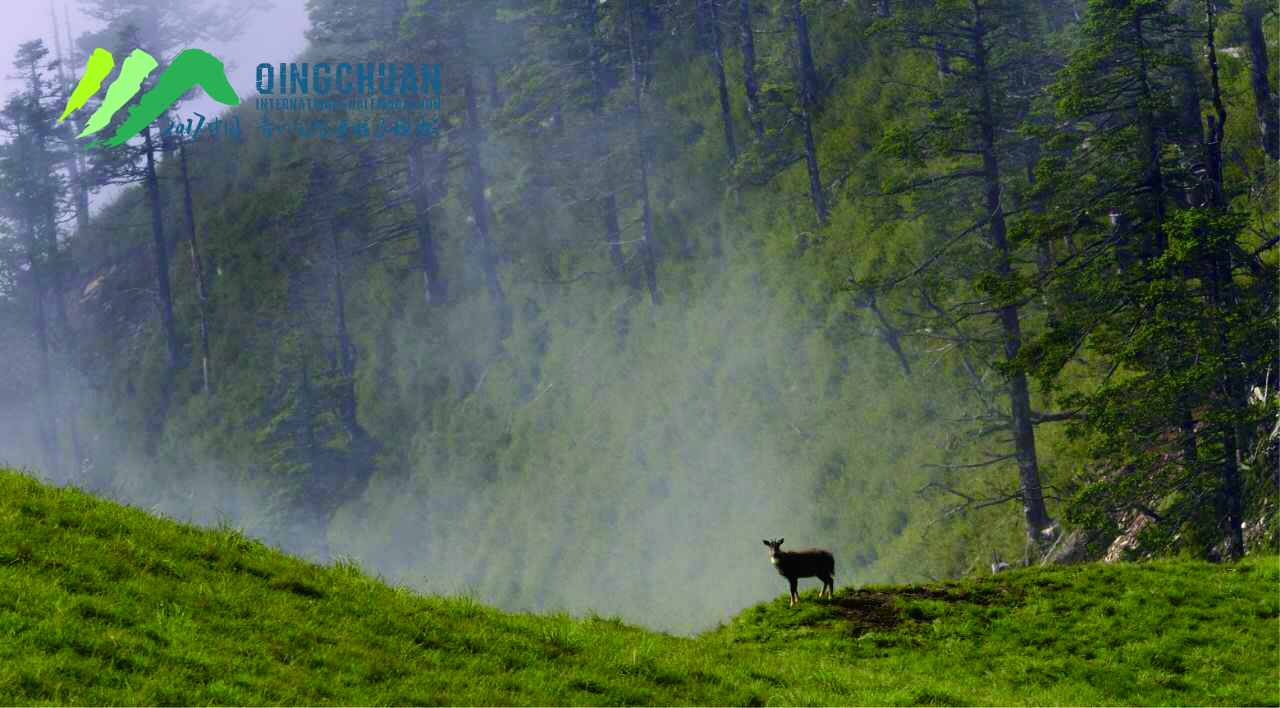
103	604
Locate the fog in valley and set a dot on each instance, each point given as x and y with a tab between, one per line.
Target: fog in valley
620	461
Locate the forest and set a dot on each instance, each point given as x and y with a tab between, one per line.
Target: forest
930	283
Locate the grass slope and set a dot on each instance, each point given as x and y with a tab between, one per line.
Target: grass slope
102	604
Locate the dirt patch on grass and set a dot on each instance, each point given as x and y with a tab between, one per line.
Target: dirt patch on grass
868	610
982	594
876	610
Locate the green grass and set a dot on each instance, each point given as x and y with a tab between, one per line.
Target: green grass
102	604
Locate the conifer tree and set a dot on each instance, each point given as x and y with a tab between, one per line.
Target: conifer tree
972	153
34	192
156	28
1159	287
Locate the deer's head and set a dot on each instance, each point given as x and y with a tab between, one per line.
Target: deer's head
775	548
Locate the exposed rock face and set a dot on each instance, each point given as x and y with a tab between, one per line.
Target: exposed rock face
1077	546
1126	543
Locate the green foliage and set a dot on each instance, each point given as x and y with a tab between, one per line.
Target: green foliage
1181	355
1168	300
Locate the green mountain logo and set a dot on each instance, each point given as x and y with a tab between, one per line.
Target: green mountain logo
189	67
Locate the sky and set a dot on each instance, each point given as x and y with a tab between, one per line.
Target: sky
275	35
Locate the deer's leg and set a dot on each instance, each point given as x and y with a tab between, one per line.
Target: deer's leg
794	597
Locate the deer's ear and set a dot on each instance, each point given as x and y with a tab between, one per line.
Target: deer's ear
765	542
780	541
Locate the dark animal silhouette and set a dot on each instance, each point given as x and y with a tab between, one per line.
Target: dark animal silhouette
809	563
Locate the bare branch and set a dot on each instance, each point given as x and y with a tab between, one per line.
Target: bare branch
974	465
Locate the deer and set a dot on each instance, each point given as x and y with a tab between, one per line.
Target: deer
809	563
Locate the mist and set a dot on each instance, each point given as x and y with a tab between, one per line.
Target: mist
649	505
605	456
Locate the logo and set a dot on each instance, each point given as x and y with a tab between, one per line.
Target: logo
401	83
189	68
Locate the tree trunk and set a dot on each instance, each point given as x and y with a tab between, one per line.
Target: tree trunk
1037	517
311	517
1190	94
808	103
749	71
539	184
811	160
420	181
650	260
639	79
203	291
726	116
1151	205
202	296
1231	488
346	358
157	420
69	406
613	230
808	74
75	156
891	335
476	195
1268	108
40	326
1222	290
1190	443
495	94
609	204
